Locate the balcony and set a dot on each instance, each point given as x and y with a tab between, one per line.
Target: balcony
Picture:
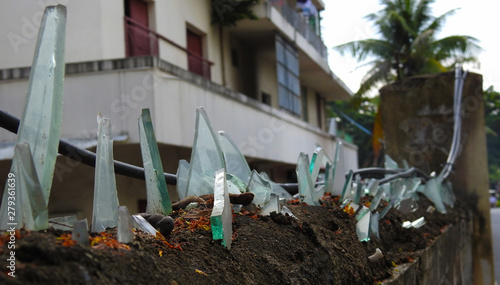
301	25
142	41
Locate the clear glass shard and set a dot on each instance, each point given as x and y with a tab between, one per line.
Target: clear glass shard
236	164
306	186
339	179
105	211
363	227
182	176
447	194
320	192
261	188
221	219
372	187
206	157
345	203
276	189
317	161
125	233
29	206
406	224
433	191
143	225
389	163
376	199
40	125
158	200
362	212
272	206
374	225
235	185
65	223
347	185
286	211
81	232
386	209
418	222
359	190
236	208
329	177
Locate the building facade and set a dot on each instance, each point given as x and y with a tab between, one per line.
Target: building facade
265	82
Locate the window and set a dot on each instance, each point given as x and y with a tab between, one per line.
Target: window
303	94
288	75
196	63
266	98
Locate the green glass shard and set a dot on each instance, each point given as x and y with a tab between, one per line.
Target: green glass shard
276	189
317	161
339	178
221	220
206	157
376	199
158	200
447	194
182	176
389	163
329	177
306	186
105	210
261	188
372	187
23	203
124	231
359	190
271	206
81	232
236	164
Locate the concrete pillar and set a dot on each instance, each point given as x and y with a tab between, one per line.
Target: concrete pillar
417	118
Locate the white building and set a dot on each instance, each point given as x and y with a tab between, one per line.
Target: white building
265	82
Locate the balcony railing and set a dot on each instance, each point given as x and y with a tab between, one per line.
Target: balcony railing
301	25
141	40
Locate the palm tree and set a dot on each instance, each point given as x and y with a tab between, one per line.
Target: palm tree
407	44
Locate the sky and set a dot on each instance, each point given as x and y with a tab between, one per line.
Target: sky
343	21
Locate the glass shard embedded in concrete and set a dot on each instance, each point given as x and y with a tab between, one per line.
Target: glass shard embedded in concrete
206	157
105	211
221	220
261	188
236	164
81	232
125	233
272	206
306	186
158	200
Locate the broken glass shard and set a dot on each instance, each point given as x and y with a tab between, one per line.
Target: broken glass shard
359	190
158	200
236	164
345	203
276	189
29	207
386	209
433	191
347	185
81	232
65	223
206	157
376	200
236	208
447	194
286	211
316	163
389	163
339	178
372	187
143	225
40	125
374	225
105	211
362	212
261	188
418	222
182	176
306	186
221	218
329	178
272	206
363	227
125	234
235	185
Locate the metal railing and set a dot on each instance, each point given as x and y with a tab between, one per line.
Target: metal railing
301	25
141	40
